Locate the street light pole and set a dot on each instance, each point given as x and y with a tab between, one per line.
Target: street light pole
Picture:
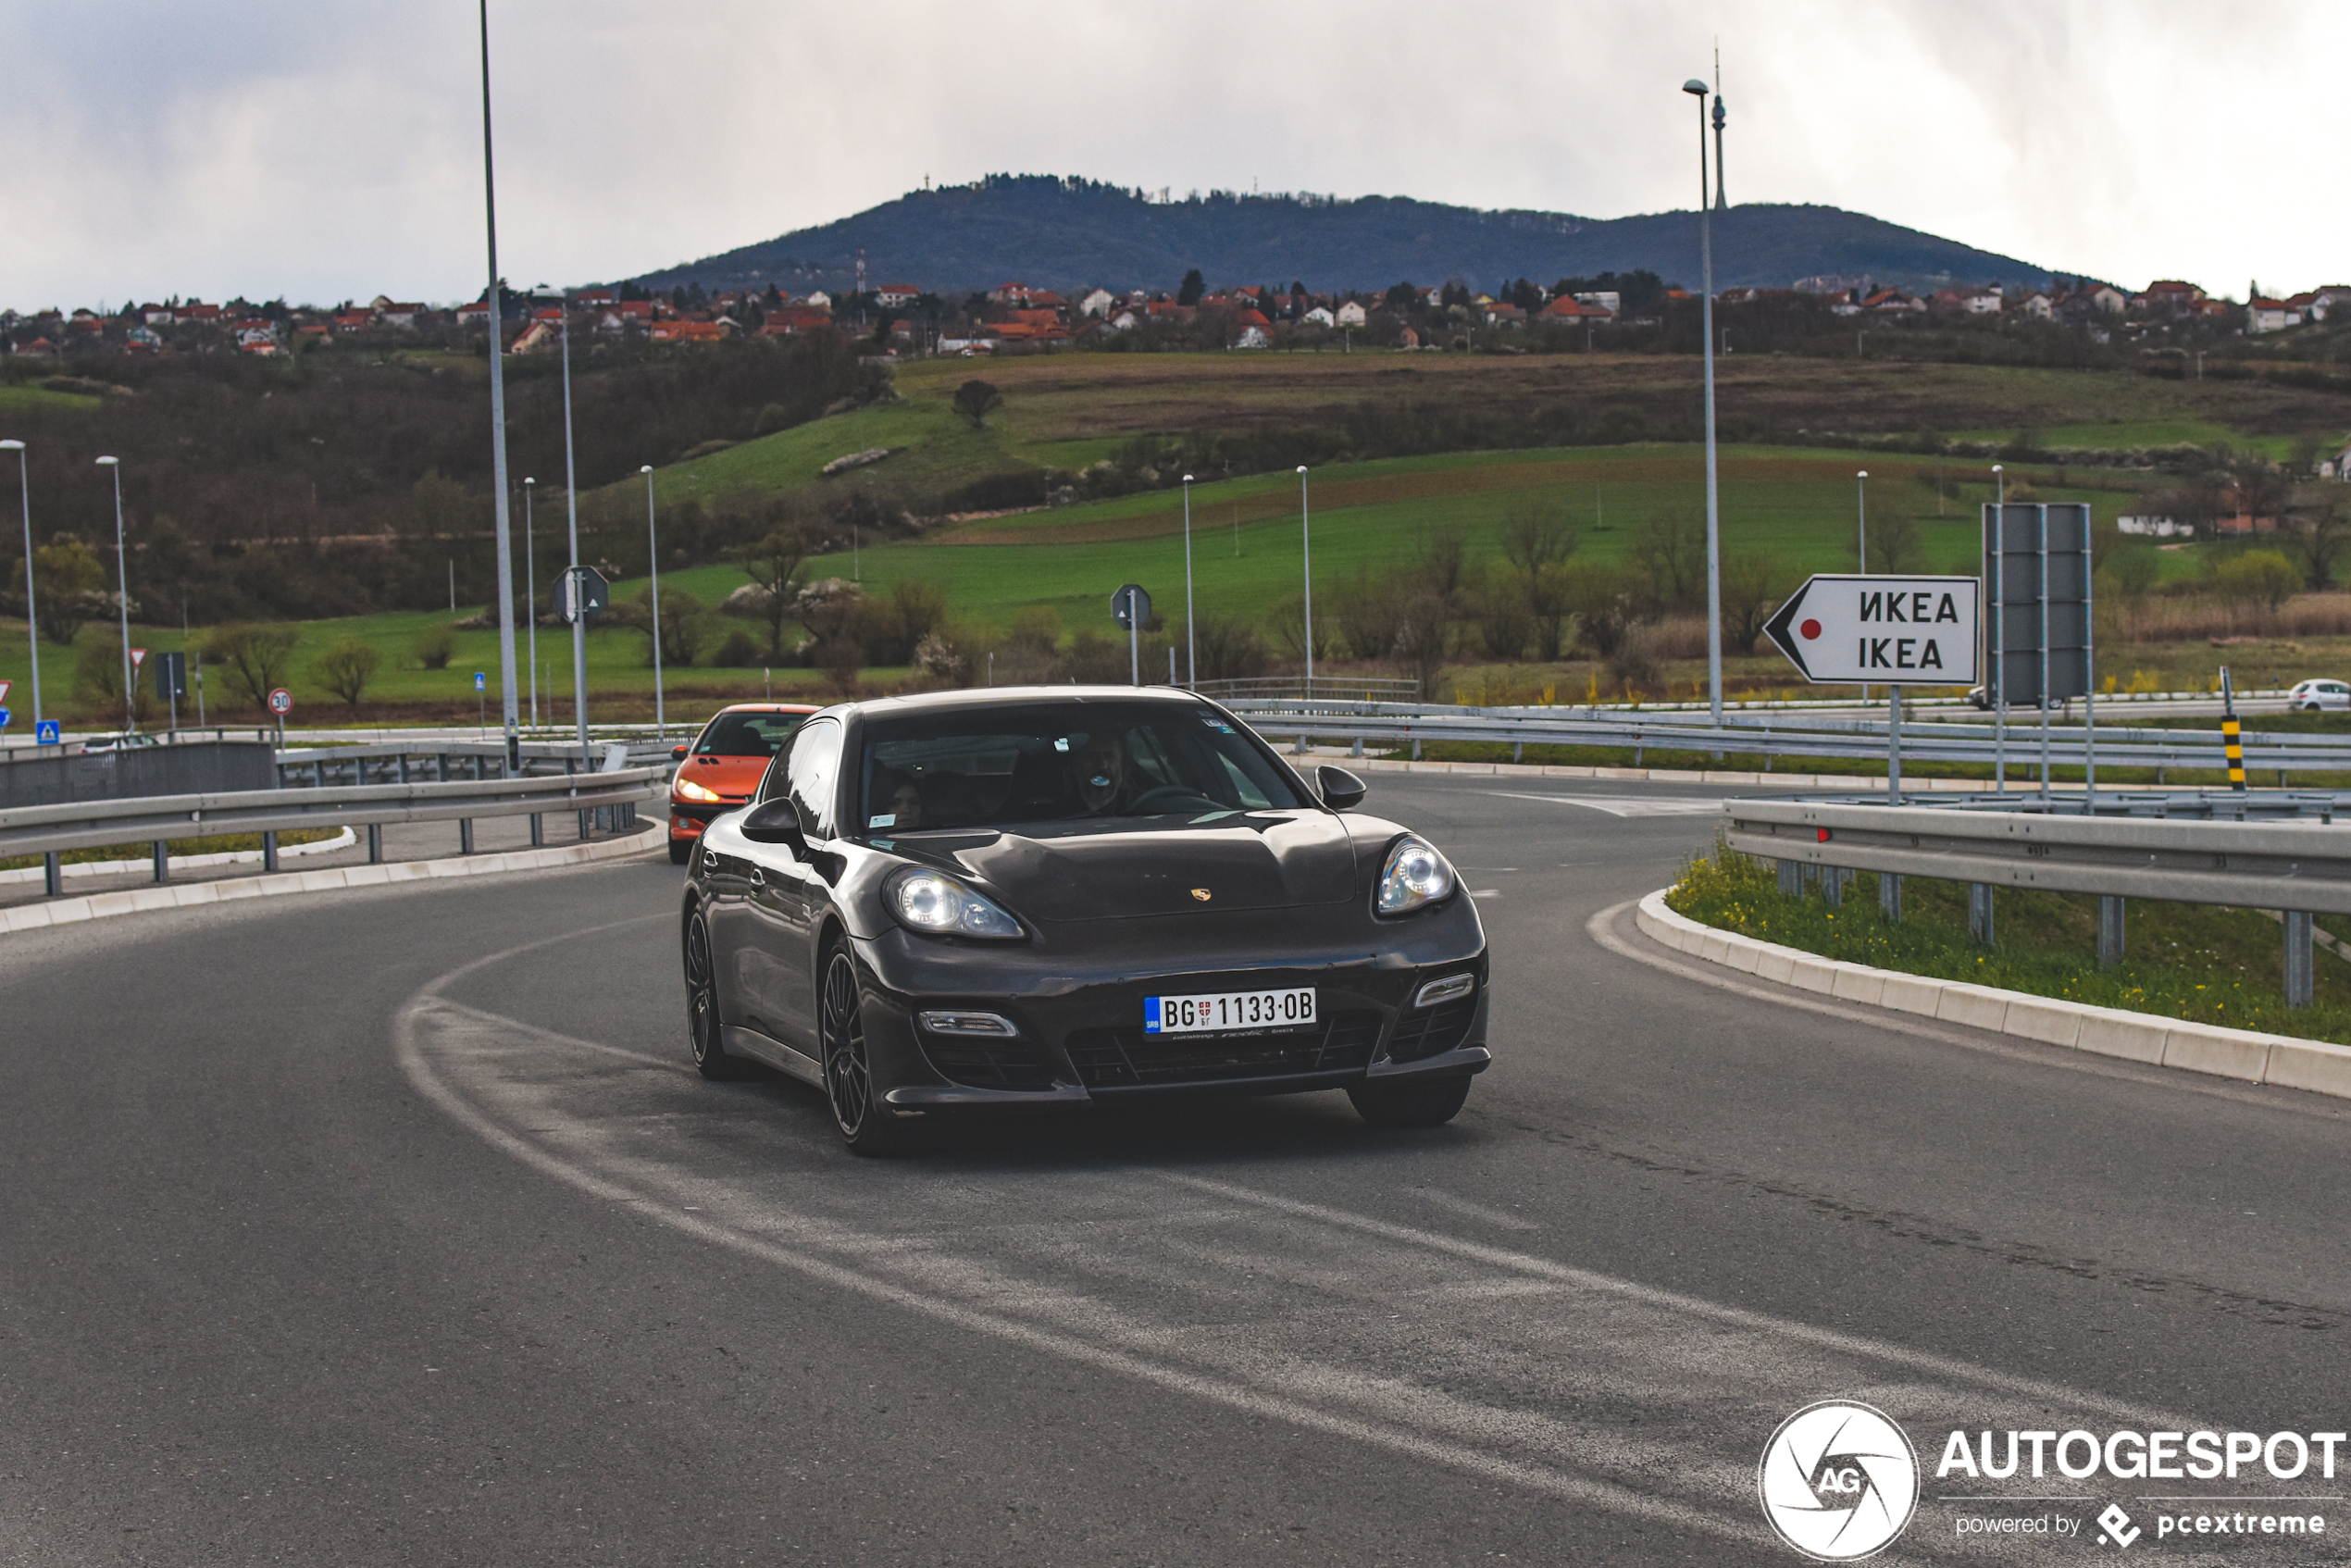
1714	506
498	430
122	596
579	614
31	620
1999	689
530	591
1862	506
1192	646
652	557
1306	542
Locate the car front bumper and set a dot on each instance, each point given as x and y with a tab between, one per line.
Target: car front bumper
1081	1040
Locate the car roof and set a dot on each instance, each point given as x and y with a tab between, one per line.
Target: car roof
768	708
1013	696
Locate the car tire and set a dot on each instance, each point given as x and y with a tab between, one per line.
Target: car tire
1410	1104
858	1115
704	1042
680	851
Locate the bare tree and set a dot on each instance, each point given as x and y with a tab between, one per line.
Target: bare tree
976	400
1672	551
773	563
1753	585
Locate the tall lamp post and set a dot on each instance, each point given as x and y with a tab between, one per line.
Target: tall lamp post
653	559
1999	688
498	430
1192	647
32	621
571	503
1713	508
530	591
122	596
1861	547
1306	542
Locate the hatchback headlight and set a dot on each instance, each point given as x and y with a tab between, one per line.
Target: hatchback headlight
940	906
1414	877
693	792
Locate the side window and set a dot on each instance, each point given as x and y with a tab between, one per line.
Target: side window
812	771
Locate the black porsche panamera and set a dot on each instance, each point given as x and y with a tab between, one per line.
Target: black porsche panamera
978	901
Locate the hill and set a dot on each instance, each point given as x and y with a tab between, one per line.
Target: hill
1070	233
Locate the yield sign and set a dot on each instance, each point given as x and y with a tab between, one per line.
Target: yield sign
3	689
1881	629
138	657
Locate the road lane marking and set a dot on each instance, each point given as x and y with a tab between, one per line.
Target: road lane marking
1624	805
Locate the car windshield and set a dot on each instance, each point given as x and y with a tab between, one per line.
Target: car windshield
748	734
1061	762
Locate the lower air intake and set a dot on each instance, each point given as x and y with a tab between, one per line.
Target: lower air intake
1131	1058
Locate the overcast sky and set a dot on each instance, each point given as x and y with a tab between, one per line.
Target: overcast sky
325	149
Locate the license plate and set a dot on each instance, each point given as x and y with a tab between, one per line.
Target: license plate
1228	1010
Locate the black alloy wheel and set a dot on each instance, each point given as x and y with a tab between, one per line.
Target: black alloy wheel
702	1040
858	1115
1410	1104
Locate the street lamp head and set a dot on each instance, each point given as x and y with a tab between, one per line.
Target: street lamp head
1301	467
1995	467
108	462
530	482
11	447
1695	85
646	470
1188	479
1862	475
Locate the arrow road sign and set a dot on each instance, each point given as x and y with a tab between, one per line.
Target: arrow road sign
1919	630
583	591
4	716
1130	607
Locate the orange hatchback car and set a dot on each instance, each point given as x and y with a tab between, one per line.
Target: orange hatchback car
722	769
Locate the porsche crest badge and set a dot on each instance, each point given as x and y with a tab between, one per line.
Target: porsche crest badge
1200	893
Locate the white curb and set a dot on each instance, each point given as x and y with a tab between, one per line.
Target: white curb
2244	1054
342	840
1851	783
184	895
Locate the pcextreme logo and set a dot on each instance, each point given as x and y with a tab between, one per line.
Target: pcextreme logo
1839	1481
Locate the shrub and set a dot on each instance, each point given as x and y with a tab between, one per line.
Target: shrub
344	669
253	659
433	646
98	681
739	650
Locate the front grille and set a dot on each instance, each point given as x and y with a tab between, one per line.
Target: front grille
1432	1031
1131	1058
980	1062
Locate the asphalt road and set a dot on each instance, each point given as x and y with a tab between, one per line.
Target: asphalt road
393	1227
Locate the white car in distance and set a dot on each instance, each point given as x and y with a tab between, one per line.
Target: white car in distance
2310	696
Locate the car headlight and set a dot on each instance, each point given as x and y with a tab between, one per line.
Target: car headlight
693	792
1414	876
941	906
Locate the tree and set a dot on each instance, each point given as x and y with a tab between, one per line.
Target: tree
2258	577
253	659
2135	566
1896	544
69	587
976	400
685	622
1424	636
1537	539
98	681
773	563
1504	622
432	647
1193	287
1607	604
1672	553
1753	586
2319	539
344	669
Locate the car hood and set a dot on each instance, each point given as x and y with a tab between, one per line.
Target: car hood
1125	868
727	776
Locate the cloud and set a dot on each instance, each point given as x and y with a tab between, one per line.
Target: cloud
323	149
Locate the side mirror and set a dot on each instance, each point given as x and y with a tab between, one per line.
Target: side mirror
775	822
677	754
1340	789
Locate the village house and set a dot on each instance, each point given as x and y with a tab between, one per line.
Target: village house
897	296
1097	302
1351	314
1319	316
2270	316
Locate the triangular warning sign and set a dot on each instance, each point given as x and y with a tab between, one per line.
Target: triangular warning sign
138	657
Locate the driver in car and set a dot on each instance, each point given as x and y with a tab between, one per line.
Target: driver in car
1099	769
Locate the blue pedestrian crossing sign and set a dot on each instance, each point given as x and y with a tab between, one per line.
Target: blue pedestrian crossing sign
46	733
481	680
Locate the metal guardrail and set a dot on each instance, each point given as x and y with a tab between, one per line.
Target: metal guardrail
49	830
2299	868
396	762
1398	725
1361	689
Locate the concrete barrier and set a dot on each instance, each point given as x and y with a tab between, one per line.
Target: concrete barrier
2245	1056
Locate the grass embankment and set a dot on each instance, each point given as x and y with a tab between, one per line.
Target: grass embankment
226	843
2191	962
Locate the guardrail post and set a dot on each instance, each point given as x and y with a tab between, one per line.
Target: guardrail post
1889	897
1979	912
269	851
375	843
464	835
583	823
1416	748
53	875
2298	959
1358	747
538	831
1833	885
163	860
1792	879
2111	917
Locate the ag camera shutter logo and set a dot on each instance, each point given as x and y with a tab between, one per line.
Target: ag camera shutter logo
1839	1481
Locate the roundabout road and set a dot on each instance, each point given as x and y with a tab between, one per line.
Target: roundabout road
395	1226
